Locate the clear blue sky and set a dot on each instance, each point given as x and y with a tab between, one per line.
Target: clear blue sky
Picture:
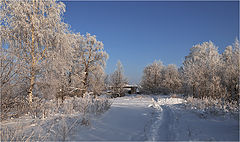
137	33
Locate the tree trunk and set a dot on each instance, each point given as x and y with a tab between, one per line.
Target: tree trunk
32	81
193	89
32	72
85	83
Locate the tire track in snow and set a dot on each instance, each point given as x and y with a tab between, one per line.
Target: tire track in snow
162	128
166	129
154	129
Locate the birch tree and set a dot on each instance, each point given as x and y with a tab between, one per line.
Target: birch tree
32	28
56	72
89	57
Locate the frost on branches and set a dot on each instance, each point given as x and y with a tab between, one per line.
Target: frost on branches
31	27
118	80
89	60
158	79
207	73
201	68
42	58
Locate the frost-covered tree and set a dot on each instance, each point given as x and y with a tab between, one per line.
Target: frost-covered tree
152	76
158	79
7	71
12	77
77	68
32	27
89	58
201	70
171	82
107	81
97	78
55	74
13	83
118	80
230	71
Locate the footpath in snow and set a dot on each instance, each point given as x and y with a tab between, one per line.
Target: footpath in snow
154	118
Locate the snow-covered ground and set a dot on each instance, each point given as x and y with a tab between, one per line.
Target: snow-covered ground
154	118
182	124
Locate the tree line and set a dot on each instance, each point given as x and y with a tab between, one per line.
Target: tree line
204	73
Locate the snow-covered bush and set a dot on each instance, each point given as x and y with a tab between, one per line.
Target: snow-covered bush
12	134
212	106
42	108
71	105
56	129
89	104
62	120
62	127
99	106
13	107
19	131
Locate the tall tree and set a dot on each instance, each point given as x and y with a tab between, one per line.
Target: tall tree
32	28
89	57
118	79
201	71
230	70
56	71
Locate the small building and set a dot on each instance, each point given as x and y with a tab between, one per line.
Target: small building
132	89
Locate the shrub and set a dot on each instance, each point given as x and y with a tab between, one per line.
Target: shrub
13	107
213	106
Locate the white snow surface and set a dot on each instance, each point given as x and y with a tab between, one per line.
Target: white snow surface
155	118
